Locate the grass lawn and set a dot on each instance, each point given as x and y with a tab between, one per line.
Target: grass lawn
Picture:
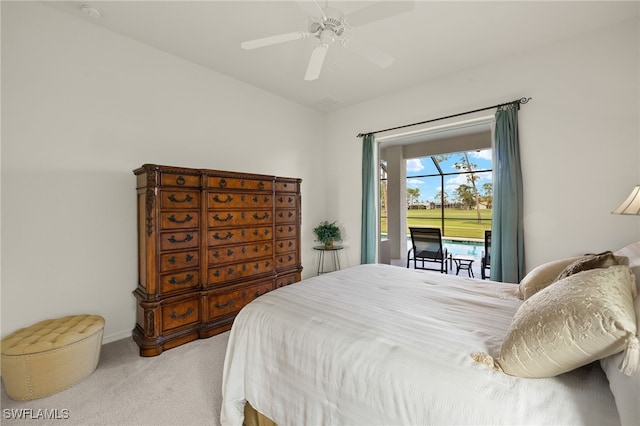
458	223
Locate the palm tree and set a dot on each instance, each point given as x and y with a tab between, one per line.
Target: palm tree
469	167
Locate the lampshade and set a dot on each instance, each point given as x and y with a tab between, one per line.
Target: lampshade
632	204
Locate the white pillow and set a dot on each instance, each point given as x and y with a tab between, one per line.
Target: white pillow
575	321
625	389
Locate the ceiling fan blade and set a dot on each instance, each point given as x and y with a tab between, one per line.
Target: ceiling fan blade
370	53
316	61
267	41
380	10
311	8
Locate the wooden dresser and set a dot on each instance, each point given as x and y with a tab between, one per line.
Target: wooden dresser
209	242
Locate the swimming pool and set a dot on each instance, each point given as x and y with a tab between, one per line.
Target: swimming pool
459	248
464	248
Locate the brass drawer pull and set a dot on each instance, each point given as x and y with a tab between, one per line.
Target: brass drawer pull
173	260
226	237
219	219
174	315
226	305
173	240
188	278
181	180
217	199
187	198
173	219
265	216
217	253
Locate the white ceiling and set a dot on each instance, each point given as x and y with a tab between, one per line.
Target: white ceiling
434	39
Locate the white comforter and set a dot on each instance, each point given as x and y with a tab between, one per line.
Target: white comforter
378	344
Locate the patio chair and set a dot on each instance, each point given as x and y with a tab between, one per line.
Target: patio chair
486	255
427	248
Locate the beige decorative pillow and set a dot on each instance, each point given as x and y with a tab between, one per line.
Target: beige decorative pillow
625	389
589	261
541	276
579	319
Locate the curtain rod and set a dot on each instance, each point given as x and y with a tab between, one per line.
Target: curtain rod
517	102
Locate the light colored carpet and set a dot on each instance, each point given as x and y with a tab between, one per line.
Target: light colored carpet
181	386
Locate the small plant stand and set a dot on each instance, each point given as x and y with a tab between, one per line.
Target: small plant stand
334	250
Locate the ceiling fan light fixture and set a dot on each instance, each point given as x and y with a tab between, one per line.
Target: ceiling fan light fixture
314	27
327	24
327	37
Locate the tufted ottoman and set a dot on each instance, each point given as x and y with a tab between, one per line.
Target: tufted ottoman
51	355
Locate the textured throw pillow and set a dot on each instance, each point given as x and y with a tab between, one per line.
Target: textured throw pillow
589	261
579	319
541	276
625	389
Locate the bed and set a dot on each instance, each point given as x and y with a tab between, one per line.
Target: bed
379	344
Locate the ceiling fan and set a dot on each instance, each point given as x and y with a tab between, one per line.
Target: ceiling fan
328	24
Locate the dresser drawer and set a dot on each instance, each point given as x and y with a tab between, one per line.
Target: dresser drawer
179	281
286	216
226	200
183	260
179	199
239	183
180	314
221	274
220	237
179	179
180	219
239	218
286	186
285	260
231	302
179	240
284	246
219	255
286	201
287	280
285	231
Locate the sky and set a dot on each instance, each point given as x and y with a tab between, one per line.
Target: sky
430	186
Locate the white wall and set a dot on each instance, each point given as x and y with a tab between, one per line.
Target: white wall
81	108
579	138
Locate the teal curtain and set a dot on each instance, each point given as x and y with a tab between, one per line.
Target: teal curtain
368	231
507	235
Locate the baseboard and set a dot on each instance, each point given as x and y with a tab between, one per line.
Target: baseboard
116	336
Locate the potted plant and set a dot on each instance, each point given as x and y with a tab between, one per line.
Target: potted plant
327	233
